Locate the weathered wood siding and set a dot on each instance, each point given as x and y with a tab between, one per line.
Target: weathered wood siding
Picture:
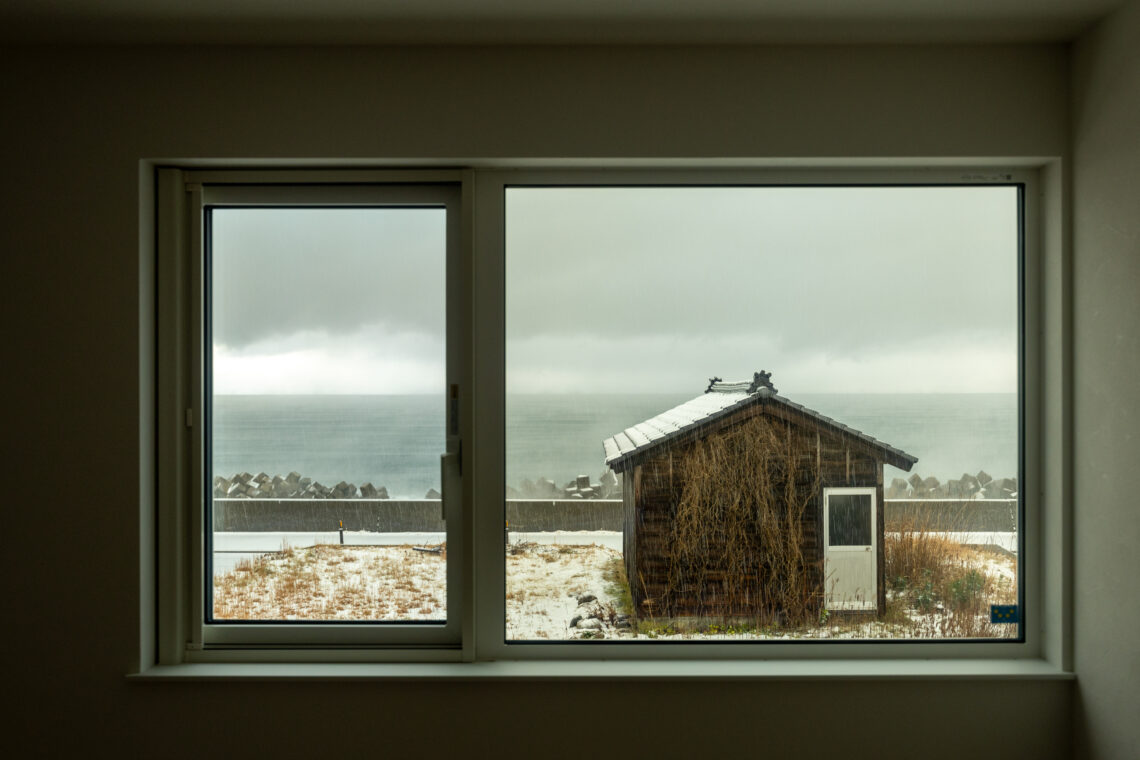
629	521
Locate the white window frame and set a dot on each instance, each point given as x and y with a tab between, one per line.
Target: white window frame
184	197
1044	652
489	443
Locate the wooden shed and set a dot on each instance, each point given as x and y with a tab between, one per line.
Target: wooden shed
742	503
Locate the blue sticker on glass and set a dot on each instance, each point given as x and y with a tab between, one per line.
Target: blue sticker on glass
1004	613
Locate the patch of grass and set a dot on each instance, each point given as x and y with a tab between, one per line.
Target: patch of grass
966	590
327	582
655	628
617	586
728	629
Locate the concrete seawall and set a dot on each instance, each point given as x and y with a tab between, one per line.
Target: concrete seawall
533	515
379	515
400	516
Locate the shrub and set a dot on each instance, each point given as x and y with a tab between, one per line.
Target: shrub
944	581
965	591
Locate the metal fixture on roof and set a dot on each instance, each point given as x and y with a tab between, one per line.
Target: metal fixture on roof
760	380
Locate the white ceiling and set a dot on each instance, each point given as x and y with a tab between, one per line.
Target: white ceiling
547	21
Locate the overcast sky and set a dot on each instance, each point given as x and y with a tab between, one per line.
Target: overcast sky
636	290
328	300
831	290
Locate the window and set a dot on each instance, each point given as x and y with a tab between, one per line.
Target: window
323	316
880	476
503	321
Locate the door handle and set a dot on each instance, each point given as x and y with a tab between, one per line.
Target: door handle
450	477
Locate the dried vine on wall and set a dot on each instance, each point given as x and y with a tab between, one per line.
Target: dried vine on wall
736	545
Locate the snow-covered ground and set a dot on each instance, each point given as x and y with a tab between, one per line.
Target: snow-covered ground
230	548
552	579
549	584
333	582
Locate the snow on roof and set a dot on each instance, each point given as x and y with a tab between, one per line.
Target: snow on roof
721	399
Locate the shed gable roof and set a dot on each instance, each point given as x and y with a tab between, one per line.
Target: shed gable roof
719	402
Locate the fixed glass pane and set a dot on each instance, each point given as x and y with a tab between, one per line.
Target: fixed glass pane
688	368
849	520
326	413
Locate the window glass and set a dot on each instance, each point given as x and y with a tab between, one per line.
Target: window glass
688	368
326	371
849	520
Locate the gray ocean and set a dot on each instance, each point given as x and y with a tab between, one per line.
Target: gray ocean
395	441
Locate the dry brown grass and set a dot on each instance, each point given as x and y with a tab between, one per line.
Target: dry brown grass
326	582
914	553
938	588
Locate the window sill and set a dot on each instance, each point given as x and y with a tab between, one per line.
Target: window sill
693	670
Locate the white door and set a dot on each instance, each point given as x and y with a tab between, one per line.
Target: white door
850	548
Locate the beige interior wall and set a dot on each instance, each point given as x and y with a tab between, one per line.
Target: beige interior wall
76	123
1106	369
